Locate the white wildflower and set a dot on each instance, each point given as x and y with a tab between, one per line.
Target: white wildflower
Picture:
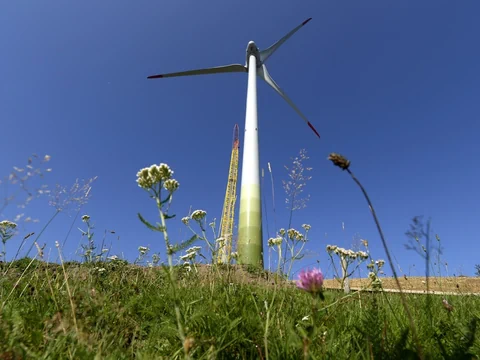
362	255
186	220
198	215
306	227
143	250
165	171
194	249
171	185
6	225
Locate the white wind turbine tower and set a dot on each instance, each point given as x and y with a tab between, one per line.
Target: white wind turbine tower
250	244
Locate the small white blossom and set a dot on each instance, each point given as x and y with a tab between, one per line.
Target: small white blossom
362	255
275	241
234	255
171	185
5	224
186	220
165	171
194	249
282	232
198	215
143	250
306	227
113	257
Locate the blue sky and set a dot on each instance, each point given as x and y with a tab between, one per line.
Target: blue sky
392	86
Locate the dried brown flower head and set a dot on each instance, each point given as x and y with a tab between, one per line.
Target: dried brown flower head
339	160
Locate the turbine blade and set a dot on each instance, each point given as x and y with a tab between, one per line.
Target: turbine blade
265	54
213	70
263	73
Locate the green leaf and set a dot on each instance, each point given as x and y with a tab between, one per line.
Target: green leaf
166	216
166	200
185	244
147	224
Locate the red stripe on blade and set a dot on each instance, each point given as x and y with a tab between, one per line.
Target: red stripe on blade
315	131
306	21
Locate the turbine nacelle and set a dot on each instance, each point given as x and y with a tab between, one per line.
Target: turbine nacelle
252	49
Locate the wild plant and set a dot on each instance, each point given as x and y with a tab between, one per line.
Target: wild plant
347	258
277	242
292	238
23	178
310	281
190	256
7	231
294	187
142	253
156	180
344	164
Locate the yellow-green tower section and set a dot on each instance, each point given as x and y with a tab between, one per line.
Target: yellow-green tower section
228	212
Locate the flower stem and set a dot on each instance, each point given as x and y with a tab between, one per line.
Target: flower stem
384	243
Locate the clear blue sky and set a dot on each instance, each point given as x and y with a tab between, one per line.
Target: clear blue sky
392	86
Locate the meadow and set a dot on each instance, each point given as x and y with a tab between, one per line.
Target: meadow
186	308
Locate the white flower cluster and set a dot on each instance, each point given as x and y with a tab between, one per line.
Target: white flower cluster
147	177
306	227
191	253
85	218
171	185
186	220
234	255
295	235
347	253
5	225
113	258
275	241
198	215
143	250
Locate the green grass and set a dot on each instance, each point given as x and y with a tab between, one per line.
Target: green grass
128	312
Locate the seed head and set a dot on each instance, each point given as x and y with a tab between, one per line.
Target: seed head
339	160
85	218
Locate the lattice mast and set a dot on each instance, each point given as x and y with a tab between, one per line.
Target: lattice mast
228	213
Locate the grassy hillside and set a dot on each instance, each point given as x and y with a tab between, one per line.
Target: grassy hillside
114	310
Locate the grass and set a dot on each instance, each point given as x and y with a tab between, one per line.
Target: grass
124	311
106	308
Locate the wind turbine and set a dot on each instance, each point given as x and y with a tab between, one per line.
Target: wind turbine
250	244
